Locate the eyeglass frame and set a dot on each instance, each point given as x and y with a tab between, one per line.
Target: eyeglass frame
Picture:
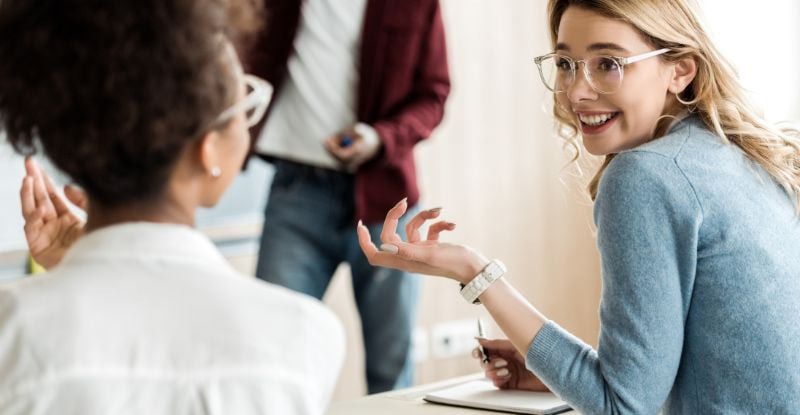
258	99
620	60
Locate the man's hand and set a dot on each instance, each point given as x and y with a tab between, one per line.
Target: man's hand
354	146
50	227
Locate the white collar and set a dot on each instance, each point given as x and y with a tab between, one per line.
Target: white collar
137	239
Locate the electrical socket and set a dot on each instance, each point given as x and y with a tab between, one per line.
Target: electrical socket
419	345
454	338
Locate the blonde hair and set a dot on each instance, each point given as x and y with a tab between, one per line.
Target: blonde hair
715	94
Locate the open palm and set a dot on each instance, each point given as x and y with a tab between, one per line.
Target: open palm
50	226
424	256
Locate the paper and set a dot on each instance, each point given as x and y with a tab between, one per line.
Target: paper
483	395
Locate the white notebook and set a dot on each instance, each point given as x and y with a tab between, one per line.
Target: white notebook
483	395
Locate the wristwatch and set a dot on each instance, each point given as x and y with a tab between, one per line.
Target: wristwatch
489	274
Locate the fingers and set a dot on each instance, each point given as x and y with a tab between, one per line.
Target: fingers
343	149
477	353
380	258
27	200
76	196
332	145
439	227
41	194
498	371
498	368
412	227
386	256
389	231
42	197
365	241
58	203
31	168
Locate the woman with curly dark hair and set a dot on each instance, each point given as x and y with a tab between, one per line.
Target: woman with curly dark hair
145	106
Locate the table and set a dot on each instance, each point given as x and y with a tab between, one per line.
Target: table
407	401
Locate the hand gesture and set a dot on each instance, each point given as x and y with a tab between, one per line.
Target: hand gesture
50	227
353	146
506	367
424	256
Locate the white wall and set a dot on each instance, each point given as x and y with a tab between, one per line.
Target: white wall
761	39
11	173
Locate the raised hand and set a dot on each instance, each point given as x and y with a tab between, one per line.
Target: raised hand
423	256
506	366
50	227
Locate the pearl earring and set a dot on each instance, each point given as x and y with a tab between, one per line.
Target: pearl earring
216	172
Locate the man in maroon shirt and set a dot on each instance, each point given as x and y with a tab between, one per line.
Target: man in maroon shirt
357	84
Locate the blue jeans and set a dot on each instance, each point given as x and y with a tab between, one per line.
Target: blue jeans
309	229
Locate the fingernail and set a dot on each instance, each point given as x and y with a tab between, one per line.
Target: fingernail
360	224
502	372
435	210
500	363
405	200
392	249
476	353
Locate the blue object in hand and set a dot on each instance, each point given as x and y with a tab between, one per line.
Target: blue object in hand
346	141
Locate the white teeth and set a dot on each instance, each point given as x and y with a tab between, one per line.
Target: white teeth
595	119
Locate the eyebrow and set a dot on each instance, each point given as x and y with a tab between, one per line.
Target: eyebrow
595	47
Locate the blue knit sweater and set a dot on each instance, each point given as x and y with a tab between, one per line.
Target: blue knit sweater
700	309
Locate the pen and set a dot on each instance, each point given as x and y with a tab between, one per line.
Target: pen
346	141
482	335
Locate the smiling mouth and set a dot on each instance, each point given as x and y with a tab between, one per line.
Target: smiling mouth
596	120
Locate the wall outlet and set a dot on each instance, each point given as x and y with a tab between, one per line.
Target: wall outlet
454	338
419	345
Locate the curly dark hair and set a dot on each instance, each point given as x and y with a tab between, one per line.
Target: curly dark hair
114	90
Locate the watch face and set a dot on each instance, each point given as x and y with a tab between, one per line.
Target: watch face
495	269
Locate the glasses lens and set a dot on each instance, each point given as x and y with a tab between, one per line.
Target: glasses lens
556	72
605	73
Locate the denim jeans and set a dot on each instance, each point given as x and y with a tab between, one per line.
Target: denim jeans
309	229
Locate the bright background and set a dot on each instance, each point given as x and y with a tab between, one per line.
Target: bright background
497	169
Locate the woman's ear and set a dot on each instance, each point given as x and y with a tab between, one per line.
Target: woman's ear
209	153
683	74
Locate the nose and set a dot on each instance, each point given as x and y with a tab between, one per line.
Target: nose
580	89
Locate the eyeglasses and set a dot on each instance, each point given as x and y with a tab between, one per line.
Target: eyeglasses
603	73
254	103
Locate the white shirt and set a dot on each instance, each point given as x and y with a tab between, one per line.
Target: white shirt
318	97
146	318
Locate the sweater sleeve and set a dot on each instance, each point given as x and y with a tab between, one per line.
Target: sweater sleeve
648	220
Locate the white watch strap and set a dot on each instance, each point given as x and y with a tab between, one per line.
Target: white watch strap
490	273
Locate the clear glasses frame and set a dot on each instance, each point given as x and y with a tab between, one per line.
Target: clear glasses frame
618	62
254	104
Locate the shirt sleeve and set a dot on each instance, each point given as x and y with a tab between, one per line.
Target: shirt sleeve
648	219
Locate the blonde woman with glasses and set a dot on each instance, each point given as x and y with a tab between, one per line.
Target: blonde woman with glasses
145	106
696	207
